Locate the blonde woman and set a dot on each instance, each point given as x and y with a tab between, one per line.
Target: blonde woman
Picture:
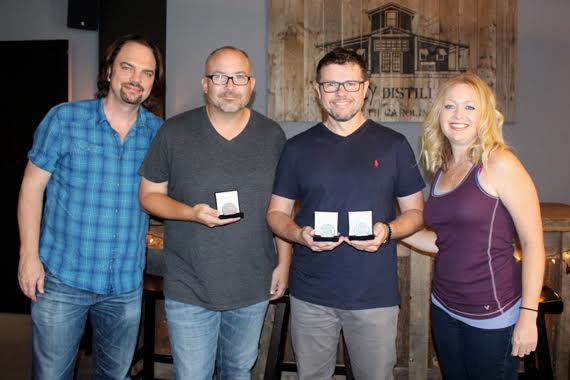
484	307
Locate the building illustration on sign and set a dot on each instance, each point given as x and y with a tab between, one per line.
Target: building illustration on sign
393	48
410	49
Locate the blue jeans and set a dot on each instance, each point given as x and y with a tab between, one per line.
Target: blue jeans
58	321
200	338
469	353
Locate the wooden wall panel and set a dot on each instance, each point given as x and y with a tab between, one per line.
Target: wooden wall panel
314	31
487	24
444	38
506	57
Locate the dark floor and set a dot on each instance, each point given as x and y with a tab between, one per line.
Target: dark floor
15	346
16	349
16	352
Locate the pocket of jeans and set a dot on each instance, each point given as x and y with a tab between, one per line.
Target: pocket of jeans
47	272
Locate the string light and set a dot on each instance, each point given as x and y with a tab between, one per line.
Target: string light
518	255
564	257
154	241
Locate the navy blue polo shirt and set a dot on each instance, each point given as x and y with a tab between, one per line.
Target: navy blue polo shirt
366	170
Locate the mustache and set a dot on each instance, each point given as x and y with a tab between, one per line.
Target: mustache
230	93
133	84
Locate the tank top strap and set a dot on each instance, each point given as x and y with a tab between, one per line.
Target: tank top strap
473	175
435	180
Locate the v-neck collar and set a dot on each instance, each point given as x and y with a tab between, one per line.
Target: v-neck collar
436	193
359	131
217	136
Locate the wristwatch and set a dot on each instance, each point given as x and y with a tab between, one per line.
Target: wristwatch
388	234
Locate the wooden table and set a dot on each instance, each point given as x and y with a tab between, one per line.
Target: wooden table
556	219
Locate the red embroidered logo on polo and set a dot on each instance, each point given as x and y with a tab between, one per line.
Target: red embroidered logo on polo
376	163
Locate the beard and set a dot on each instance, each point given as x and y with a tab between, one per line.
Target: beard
346	115
129	98
237	103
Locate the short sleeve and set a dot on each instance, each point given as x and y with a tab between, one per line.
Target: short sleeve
280	140
155	166
46	148
286	183
409	180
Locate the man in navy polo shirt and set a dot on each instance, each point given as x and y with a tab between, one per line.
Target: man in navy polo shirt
347	163
87	254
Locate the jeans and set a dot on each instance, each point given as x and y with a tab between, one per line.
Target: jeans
201	338
58	321
469	353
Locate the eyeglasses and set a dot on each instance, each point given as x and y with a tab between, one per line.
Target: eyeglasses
349	85
221	79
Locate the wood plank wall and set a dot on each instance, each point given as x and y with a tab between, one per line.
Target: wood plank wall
298	29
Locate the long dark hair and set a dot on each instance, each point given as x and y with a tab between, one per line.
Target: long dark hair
109	59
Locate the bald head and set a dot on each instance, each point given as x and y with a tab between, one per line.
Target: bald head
228	63
220	51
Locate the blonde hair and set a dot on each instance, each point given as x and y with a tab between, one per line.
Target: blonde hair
436	150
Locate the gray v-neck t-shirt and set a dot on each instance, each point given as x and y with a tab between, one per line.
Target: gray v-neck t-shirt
228	266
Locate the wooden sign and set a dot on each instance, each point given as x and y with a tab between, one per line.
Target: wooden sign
410	47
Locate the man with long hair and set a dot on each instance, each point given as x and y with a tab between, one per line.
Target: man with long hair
83	251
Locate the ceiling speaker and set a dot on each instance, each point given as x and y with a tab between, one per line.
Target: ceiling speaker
83	14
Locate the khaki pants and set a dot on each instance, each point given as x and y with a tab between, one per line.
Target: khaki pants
370	337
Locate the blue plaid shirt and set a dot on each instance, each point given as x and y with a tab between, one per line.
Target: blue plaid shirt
93	229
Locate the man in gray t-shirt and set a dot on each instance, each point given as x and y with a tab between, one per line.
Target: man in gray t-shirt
220	270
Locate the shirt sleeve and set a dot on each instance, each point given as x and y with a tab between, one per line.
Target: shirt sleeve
286	184
46	149
156	164
409	179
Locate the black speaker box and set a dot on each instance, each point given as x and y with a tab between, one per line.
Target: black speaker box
83	14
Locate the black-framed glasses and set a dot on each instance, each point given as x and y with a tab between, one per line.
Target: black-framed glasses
222	79
349	85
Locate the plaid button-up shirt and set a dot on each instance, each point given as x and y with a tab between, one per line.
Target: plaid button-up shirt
93	228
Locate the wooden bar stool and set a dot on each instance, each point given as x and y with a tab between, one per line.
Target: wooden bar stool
275	357
538	365
152	291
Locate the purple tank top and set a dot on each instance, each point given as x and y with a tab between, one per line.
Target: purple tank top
475	273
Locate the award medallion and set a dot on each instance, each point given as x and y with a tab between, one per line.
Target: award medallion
227	203
360	225
326	226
